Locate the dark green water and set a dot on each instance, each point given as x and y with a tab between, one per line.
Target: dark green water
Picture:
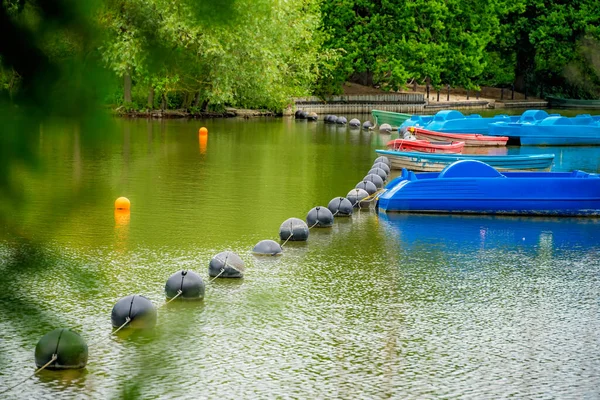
375	307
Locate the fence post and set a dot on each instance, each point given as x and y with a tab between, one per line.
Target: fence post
512	94
477	95
502	93
415	85
427	86
448	96
438	97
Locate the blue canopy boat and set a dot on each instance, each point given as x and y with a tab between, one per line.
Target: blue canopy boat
452	121
537	128
435	162
473	187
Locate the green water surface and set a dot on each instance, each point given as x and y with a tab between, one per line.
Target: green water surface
375	307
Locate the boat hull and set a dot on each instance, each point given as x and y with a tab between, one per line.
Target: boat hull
425	146
424	162
388	117
518	193
470	140
572	103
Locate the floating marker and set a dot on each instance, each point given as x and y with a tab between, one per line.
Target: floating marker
70	349
384	160
293	229
312	116
367	186
203	131
319	217
367	125
122	203
189	283
355	196
385	128
138	309
226	264
340	207
267	248
354	123
378	171
383	166
376	179
341	120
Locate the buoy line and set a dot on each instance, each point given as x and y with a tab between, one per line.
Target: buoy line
140	311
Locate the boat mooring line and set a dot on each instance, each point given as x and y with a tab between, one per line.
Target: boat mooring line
286	240
54	357
213	279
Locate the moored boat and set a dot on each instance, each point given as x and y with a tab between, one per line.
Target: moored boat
473	187
452	121
426	146
468	139
388	117
553	130
554	101
431	162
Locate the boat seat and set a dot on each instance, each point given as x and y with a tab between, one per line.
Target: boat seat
469	169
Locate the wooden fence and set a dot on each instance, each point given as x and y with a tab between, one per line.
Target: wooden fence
363	104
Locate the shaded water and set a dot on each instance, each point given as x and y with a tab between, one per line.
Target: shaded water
377	306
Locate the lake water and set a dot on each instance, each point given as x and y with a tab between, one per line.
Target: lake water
396	306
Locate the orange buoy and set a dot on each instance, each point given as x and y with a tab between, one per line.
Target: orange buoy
203	139
203	131
122	203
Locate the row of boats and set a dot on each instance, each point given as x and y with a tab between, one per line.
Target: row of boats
431	143
448	181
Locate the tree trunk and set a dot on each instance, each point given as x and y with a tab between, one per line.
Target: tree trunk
196	99
127	87
204	106
187	100
163	104
151	98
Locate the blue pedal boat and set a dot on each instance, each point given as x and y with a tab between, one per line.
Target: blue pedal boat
550	130
435	162
473	187
452	121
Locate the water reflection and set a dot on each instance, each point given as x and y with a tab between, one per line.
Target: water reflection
482	232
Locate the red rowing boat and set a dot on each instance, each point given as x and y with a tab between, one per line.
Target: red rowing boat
425	146
468	138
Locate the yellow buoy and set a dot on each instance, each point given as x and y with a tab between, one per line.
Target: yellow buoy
203	131
122	203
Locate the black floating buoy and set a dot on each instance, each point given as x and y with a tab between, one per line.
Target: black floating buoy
191	286
330	119
367	186
376	179
226	264
367	125
354	123
70	349
378	171
312	116
341	120
301	114
138	309
294	227
385	128
355	196
319	217
267	248
340	207
384	160
383	166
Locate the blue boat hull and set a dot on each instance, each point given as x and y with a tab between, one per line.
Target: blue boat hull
582	130
431	162
452	121
471	191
